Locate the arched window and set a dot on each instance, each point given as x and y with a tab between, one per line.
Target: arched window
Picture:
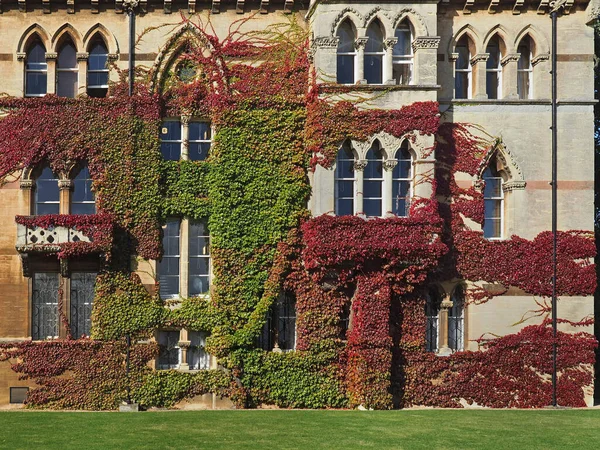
97	69
36	71
47	194
67	71
493	68
433	301
374	54
279	330
456	320
401	181
462	69
494	202
346	53
83	199
402	54
525	69
344	181
373	182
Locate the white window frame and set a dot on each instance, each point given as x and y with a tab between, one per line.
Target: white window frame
405	59
27	70
354	54
380	53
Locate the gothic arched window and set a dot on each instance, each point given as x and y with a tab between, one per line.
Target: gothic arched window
525	69
345	180
46	194
402	54
401	181
456	320
97	69
67	70
374	53
36	70
493	69
373	182
462	69
432	314
346	53
493	201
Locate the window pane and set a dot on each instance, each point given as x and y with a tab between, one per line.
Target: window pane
44	317
67	58
402	73
403	46
198	152
345	69
493	187
36	83
375	35
82	187
36	58
286	324
168	267
492	84
67	84
372	208
82	298
346	34
170	131
171	151
197	358
98	58
493	49
97	79
199	131
344	207
493	209
523	83
492	228
372	188
461	85
373	69
463	60
168	344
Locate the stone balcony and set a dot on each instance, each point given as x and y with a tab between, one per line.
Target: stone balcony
51	238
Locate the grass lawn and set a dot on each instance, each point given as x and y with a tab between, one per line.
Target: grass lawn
268	429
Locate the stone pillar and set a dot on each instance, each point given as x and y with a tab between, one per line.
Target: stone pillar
82	59
509	76
478	76
65	187
425	60
26	196
51	74
387	74
359	169
359	66
185	141
388	201
184	261
541	77
184	345
445	306
324	49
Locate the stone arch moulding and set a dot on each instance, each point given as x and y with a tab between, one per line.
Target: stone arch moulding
504	36
67	30
542	46
515	179
347	13
169	51
472	33
414	18
389	144
384	19
109	39
34	30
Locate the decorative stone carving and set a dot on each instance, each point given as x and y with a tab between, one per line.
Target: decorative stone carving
513	185
112	57
389	43
264	6
326	42
360	165
65	184
479	184
539	58
46	6
479	57
468	5
360	43
389	164
453	57
415	17
371	14
341	16
423	42
26	184
21	56
51	56
519	4
494	4
192	6
70	6
30	238
514	57
239	6
22	6
82	56
216	7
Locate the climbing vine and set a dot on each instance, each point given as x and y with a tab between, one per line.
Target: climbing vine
274	125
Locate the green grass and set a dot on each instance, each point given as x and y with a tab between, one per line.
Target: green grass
301	429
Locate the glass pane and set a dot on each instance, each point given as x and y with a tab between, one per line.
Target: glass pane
374	168
463	60
402	73
493	49
198	284
346	34
375	35
199	131
170	131
372	208
198	152
44	313
98	58
344	207
345	69
344	168
493	208
168	343
373	69
171	151
46	208
402	169
492	228
168	267
493	187
37	83
403	46
67	58
47	191
82	298
492	84
523	84
372	188
525	58
400	207
97	93
83	208
197	358
345	189
97	79
82	186
67	84
461	85
36	58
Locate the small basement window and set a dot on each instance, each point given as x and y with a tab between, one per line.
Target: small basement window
18	394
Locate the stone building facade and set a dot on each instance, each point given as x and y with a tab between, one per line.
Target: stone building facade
484	63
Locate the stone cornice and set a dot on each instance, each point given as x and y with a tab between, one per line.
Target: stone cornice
423	42
330	42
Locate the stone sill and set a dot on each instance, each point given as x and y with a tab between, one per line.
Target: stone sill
473	102
345	88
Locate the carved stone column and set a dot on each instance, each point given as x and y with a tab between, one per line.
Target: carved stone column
324	58
65	187
425	59
185	141
184	265
509	76
445	306
359	170
51	58
387	74
359	68
478	76
388	200
184	345
82	59
26	196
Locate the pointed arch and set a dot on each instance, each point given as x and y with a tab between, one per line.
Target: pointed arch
66	31
503	35
507	164
414	18
351	14
473	37
539	40
100	30
384	19
187	33
32	33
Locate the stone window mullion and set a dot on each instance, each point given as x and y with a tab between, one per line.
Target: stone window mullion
359	170
65	186
445	306
185	133
388	200
184	263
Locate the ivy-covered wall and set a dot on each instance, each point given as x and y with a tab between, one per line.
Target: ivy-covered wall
272	128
